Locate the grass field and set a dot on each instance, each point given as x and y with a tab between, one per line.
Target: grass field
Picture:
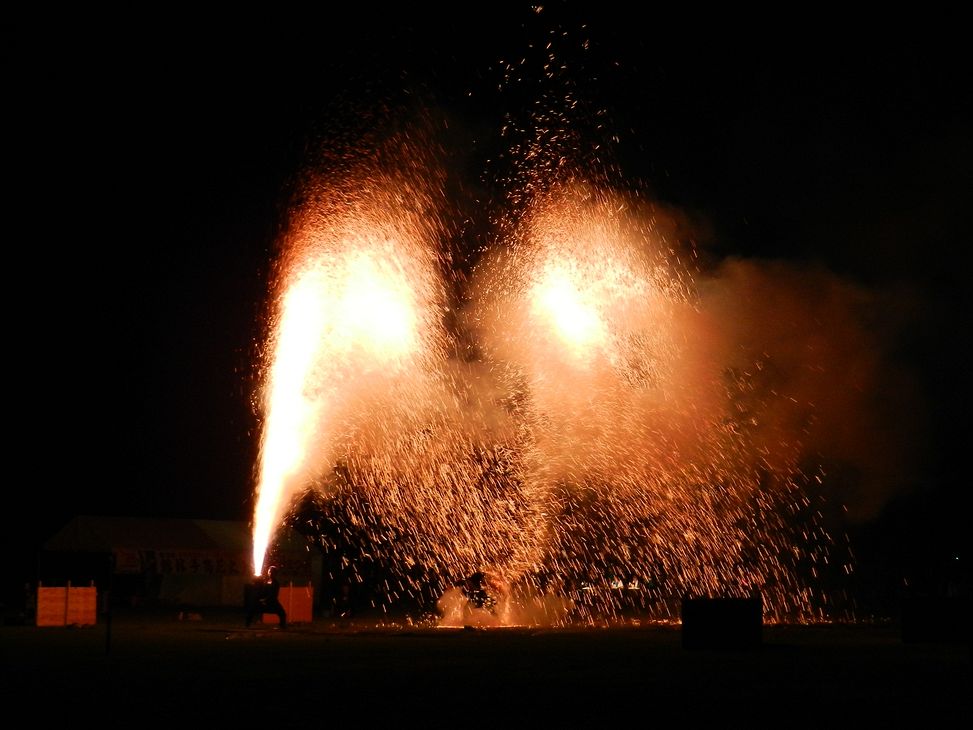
154	669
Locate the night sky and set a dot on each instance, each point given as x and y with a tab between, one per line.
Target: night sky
148	172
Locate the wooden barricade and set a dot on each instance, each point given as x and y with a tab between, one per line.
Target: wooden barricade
298	603
67	605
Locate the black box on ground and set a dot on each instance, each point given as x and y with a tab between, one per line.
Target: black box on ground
722	623
943	619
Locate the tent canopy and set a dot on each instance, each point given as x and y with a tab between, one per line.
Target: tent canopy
168	561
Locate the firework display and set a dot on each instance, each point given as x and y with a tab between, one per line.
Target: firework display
574	421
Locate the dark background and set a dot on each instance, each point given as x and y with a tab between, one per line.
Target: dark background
149	163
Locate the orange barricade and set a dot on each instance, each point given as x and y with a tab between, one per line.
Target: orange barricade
298	603
67	606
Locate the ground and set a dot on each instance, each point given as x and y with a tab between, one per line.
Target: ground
207	668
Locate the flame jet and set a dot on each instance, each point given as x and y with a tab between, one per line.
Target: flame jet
370	401
358	303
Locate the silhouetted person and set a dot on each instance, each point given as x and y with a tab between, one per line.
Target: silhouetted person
263	597
475	590
342	604
30	603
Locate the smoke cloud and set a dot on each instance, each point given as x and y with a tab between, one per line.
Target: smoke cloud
592	406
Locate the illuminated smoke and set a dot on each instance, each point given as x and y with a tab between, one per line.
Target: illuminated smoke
642	452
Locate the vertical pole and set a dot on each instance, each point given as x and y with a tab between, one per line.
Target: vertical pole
37	580
111	573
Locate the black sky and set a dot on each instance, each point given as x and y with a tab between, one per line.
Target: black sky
148	169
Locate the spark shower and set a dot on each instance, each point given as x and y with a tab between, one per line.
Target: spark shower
589	406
